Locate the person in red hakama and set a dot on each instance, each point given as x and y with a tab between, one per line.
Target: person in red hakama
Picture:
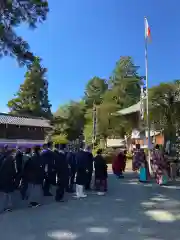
118	165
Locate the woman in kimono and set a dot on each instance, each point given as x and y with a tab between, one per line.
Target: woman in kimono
159	165
140	161
138	158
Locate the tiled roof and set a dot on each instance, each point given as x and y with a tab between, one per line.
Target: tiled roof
24	121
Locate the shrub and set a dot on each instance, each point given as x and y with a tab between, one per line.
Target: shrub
59	139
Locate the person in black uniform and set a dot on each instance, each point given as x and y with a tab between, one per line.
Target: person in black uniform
81	174
61	167
19	166
34	172
7	179
71	159
48	160
89	161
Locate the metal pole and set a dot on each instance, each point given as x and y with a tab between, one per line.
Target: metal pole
147	100
94	125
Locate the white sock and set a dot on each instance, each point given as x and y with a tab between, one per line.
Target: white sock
77	190
81	187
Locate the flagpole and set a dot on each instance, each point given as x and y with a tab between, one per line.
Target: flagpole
147	98
94	124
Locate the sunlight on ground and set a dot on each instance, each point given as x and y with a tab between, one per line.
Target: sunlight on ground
160	199
63	235
148	204
133	183
97	230
119	200
172	187
161	215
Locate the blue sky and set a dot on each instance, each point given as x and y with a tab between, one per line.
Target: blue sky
84	38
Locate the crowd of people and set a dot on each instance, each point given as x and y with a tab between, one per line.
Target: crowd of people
157	168
158	164
33	172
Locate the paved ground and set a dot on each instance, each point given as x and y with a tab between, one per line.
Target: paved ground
130	211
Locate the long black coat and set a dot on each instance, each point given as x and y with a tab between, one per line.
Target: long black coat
33	170
19	161
71	159
81	174
48	159
7	174
61	167
100	168
89	160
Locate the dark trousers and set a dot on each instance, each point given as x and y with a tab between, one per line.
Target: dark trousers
24	188
46	186
88	179
71	180
60	190
101	185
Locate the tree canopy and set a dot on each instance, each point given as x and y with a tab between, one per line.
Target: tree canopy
32	97
74	120
108	96
94	91
12	14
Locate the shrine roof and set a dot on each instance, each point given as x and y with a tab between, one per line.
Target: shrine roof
132	109
24	121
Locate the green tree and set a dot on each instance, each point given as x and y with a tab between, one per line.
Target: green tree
32	97
70	120
88	127
94	91
164	101
125	82
108	125
12	14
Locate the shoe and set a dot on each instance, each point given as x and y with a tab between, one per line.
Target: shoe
34	205
48	194
7	210
100	193
83	196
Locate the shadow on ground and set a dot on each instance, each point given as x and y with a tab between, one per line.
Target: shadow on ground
131	210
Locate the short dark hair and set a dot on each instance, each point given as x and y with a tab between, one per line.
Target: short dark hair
157	146
99	151
62	146
56	145
45	145
49	144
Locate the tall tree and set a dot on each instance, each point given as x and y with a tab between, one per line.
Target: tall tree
164	102
88	127
94	91
125	82
12	14
70	120
32	97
